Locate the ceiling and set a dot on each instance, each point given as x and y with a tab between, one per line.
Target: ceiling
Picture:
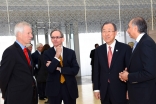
48	14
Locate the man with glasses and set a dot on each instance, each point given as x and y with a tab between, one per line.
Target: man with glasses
62	68
110	59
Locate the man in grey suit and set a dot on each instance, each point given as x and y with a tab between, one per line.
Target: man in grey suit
141	72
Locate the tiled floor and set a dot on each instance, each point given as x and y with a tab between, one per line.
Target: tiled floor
85	92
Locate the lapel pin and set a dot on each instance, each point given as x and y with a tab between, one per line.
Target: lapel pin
116	50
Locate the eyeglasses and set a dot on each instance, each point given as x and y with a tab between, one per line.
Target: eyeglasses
107	32
57	37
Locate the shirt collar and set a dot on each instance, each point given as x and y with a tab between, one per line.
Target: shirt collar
20	44
139	37
112	45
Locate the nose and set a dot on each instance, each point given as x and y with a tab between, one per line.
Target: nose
31	35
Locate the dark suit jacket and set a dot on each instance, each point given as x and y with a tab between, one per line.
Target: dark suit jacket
102	72
42	70
16	78
142	69
92	56
35	57
69	70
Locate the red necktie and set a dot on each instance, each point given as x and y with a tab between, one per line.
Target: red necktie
26	55
109	56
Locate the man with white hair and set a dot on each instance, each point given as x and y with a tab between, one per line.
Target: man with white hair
36	54
29	47
16	75
35	57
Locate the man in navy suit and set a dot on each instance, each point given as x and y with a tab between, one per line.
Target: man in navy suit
16	74
35	57
110	58
141	71
62	68
92	53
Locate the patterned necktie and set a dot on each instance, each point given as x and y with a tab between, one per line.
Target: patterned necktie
109	56
26	55
62	79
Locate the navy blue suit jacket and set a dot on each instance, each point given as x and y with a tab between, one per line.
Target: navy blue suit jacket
69	70
35	57
16	78
142	72
102	72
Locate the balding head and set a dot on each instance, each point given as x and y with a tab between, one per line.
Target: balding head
140	23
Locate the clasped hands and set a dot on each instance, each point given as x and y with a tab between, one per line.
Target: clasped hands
124	75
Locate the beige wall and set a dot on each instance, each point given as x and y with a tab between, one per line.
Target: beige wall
152	33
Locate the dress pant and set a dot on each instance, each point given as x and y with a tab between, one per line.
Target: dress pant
92	72
41	89
109	99
62	96
35	96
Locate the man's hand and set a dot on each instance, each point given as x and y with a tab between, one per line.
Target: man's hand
48	63
58	51
124	75
58	68
97	95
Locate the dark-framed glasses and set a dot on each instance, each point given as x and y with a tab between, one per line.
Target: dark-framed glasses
56	37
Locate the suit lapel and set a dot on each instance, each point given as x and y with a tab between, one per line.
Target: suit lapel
64	55
115	53
20	51
136	48
104	54
52	52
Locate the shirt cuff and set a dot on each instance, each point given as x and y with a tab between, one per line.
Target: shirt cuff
96	90
57	58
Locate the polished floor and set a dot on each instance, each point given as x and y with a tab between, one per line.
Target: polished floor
85	92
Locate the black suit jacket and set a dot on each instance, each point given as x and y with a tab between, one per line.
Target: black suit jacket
35	57
16	78
102	72
92	56
42	70
142	72
69	70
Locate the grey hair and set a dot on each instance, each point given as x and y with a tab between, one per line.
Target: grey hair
140	23
19	27
38	45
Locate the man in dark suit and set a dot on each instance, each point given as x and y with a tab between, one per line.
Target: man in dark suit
16	74
141	71
92	59
62	68
35	57
110	58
